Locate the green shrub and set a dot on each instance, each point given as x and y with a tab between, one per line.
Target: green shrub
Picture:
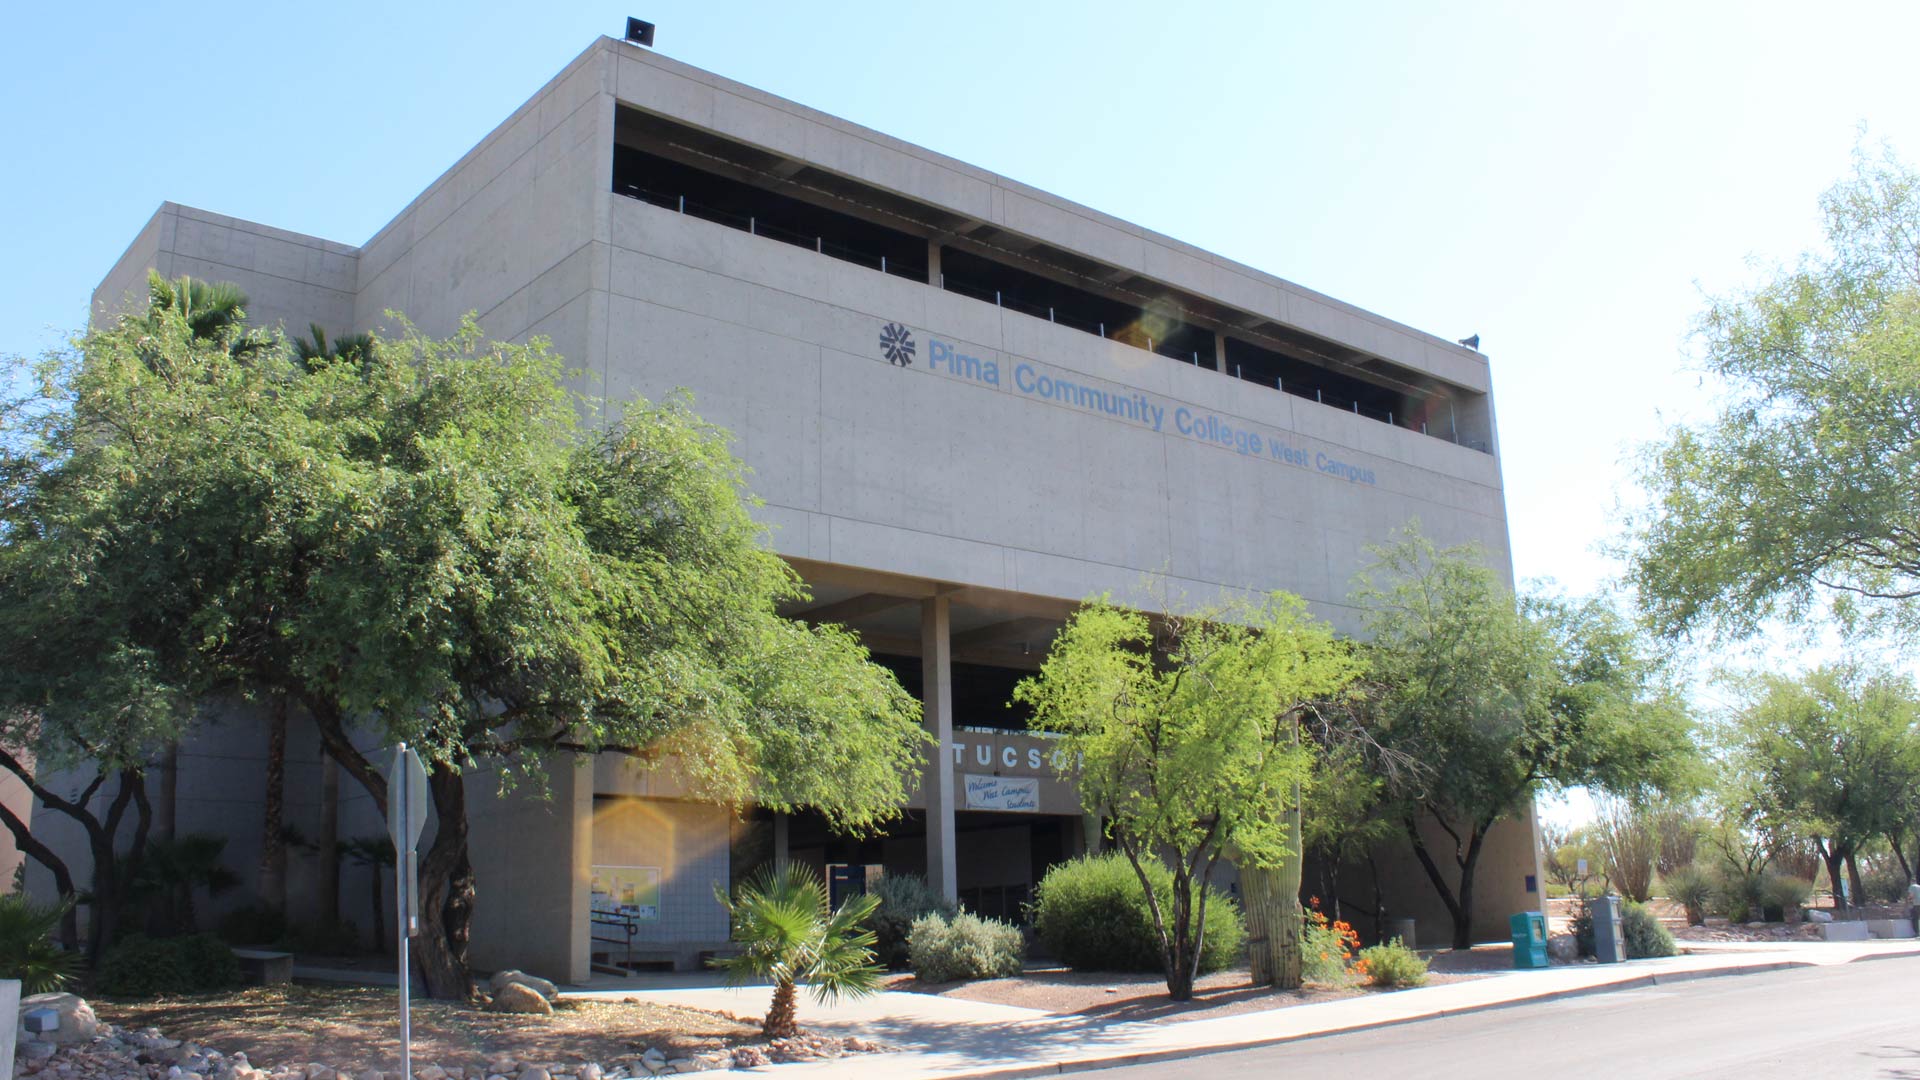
1645	935
1782	894
27	951
1091	914
1325	948
1882	883
1738	895
1391	964
964	947
1692	890
903	899
140	966
256	924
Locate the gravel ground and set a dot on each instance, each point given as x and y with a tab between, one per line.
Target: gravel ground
1132	997
353	1028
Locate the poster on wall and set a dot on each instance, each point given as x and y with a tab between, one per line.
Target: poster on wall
627	890
1018	794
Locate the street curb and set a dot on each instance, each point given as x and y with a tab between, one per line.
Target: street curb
1150	1057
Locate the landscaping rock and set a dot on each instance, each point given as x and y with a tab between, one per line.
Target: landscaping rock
77	1022
536	1072
502	979
518	998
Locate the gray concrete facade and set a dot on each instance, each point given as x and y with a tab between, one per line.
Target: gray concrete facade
951	509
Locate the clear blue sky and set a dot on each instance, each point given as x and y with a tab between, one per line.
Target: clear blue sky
1565	180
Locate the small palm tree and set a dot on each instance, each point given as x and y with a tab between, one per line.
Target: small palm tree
317	352
27	951
787	933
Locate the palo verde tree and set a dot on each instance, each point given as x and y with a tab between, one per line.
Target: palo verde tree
1831	756
421	540
1800	495
1499	699
1182	734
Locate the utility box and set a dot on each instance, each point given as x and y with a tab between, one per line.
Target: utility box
1609	938
1529	939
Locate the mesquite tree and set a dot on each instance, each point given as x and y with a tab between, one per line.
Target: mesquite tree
1500	698
1182	732
421	539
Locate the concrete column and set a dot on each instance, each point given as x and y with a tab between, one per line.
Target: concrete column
780	846
936	674
933	261
1219	351
1092	837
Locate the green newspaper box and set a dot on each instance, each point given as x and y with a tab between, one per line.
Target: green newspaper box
1529	939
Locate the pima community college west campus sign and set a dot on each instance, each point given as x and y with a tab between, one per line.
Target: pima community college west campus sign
1127	406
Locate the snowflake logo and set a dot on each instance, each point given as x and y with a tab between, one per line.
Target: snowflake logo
896	344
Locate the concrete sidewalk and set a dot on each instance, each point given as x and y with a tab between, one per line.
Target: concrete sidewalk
953	1039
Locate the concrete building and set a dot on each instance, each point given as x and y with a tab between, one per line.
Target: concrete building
967	404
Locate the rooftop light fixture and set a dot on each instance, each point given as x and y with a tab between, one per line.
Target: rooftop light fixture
640	31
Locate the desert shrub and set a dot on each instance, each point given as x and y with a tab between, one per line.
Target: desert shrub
1091	914
256	924
1326	949
964	947
1630	844
1391	964
140	966
1692	890
1644	934
1782	894
1737	895
27	951
904	898
1882	882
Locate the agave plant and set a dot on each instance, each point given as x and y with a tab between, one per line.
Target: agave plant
788	933
27	951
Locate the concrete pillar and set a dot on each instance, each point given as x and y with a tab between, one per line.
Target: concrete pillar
780	846
1219	351
933	261
936	674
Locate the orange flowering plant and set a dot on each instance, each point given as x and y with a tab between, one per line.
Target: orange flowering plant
1327	948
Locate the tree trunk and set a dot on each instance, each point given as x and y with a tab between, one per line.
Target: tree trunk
1463	919
783	1015
1182	955
30	846
446	893
1835	861
1896	841
329	840
1438	880
273	841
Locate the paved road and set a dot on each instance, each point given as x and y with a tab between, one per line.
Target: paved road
1853	1020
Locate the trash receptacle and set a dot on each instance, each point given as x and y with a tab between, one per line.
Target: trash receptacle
1529	939
1403	930
1609	940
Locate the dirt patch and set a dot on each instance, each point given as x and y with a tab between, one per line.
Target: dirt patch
1138	997
357	1028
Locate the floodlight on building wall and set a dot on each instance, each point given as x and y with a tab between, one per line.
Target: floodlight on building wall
640	31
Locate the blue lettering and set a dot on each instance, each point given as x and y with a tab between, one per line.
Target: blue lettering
1023	378
1183	421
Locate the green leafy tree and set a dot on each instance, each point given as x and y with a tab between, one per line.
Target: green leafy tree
1829	756
428	545
1805	485
788	933
1184	734
1500	699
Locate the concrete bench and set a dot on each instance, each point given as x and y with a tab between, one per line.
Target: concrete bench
1844	931
263	967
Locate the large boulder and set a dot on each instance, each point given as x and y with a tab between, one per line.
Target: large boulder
535	983
76	1020
519	998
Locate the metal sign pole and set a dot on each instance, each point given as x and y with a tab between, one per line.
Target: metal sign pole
406	818
403	903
